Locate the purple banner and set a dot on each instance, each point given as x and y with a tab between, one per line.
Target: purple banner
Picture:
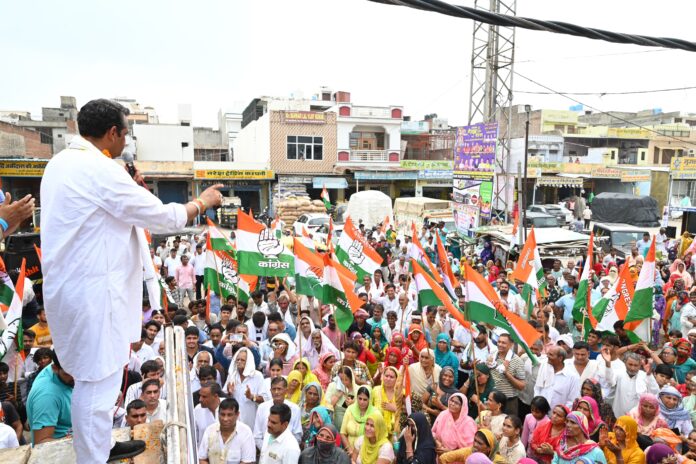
474	150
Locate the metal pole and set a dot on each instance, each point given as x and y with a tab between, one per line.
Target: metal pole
519	203
524	188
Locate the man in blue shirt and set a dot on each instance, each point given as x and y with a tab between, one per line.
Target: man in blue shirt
48	405
566	303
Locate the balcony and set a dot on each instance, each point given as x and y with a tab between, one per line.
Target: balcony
368	156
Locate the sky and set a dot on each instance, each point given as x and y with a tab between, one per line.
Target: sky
218	54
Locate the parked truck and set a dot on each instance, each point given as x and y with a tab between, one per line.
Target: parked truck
420	209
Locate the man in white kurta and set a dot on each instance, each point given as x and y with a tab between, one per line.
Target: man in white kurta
93	268
245	384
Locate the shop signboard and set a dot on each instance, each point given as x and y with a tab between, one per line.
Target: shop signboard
442	165
434	174
386	175
607	173
21	168
474	150
260	174
683	168
466	219
474	192
635	176
304	117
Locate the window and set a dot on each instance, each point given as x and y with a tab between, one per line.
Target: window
302	147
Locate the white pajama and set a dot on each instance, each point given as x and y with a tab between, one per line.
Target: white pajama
92	409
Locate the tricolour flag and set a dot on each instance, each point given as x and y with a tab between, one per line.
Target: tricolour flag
338	291
637	321
307	240
218	240
7	290
581	308
325	198
484	305
221	275
417	252
431	294
447	274
355	253
614	304
12	320
530	271
259	251
309	271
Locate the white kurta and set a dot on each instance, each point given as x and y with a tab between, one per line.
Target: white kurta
92	266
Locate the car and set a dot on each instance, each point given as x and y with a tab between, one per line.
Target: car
621	237
321	234
540	220
311	221
551	210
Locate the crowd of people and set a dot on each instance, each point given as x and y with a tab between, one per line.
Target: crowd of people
275	380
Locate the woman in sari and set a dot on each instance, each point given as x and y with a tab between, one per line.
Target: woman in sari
374	447
545	438
392	358
444	356
672	288
310	399
588	406
592	388
284	349
388	398
303	366
341	393
484	443
416	445
294	392
623	441
647	414
323	369
679	268
353	425
672	409
575	442
378	347
685	362
436	396
478	394
399	342
416	342
424	373
319	417
494	415
454	429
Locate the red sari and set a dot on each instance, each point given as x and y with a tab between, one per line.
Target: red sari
541	435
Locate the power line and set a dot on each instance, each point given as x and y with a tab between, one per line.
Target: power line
557	27
556	92
601	94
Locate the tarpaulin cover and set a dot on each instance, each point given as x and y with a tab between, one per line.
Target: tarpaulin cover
626	209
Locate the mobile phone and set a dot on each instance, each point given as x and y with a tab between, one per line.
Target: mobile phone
236	337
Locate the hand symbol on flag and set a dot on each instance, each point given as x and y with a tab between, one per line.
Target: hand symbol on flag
269	245
355	252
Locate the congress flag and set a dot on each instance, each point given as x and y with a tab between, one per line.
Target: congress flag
338	291
309	271
355	253
260	252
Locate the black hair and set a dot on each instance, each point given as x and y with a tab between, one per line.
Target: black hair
256	294
516	422
507	335
282	410
97	117
275	362
179	319
216	326
431	310
364	391
581	345
215	389
135	404
30	333
597	333
143	334
388	286
350	345
243	304
150	382
180	312
347	371
232	325
278	380
207	371
275	317
612	340
149	366
169	280
191	330
541	404
229	403
500	398
258	318
664	369
618	325
4	368
226	307
157	325
42	352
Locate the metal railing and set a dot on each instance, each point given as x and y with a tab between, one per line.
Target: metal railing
369	155
180	433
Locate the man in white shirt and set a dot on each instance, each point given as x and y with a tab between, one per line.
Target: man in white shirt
92	221
205	414
629	385
511	300
149	370
279	444
172	263
390	301
198	262
557	382
688	314
142	350
404	312
257	304
155	406
228	440
279	387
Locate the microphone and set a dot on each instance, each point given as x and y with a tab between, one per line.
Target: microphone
127	158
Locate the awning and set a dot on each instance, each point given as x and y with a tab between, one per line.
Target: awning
330	182
550	181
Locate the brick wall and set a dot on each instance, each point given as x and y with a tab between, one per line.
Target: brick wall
281	129
17	141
